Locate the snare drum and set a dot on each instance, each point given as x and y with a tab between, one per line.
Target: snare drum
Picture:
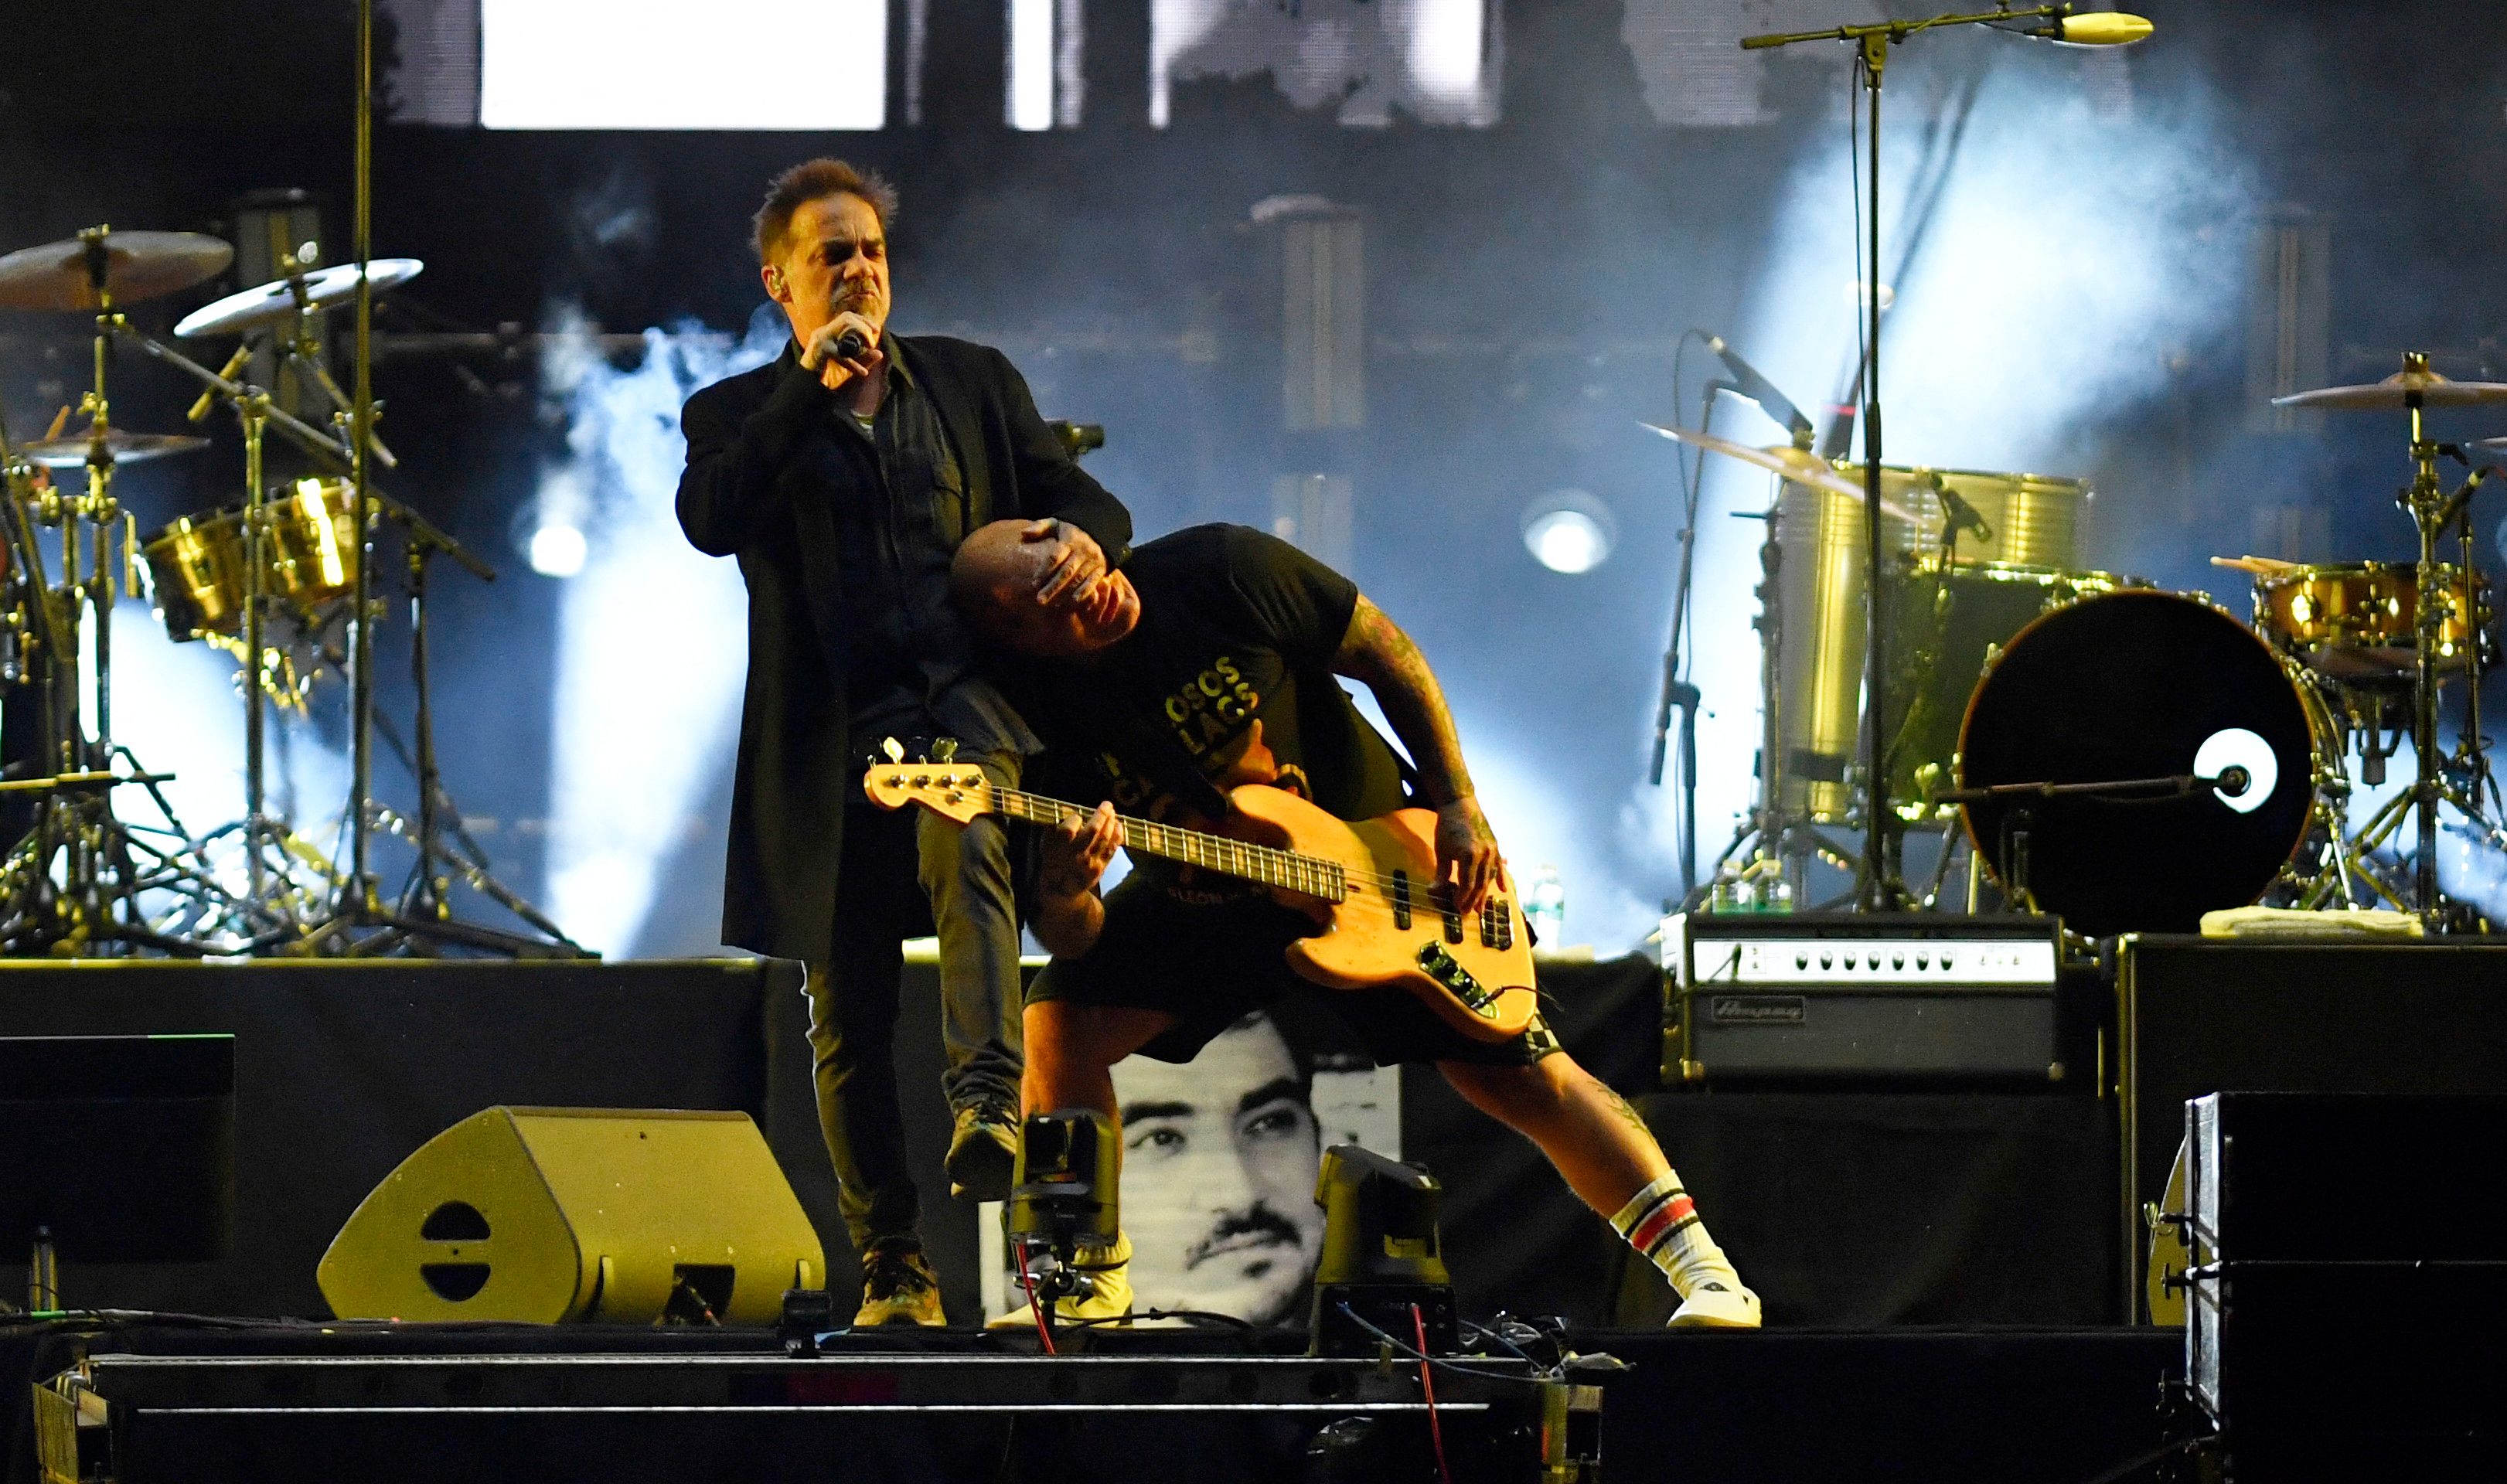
2358	621
307	546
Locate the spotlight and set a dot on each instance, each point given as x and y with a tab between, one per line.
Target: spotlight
1568	530
556	550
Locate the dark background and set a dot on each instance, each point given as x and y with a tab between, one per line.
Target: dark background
1526	284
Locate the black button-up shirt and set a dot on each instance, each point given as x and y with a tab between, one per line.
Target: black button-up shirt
911	669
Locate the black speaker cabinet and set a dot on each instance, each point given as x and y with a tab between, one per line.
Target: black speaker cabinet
2354	1288
2198	1015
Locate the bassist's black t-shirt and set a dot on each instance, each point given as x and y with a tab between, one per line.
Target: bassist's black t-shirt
1229	673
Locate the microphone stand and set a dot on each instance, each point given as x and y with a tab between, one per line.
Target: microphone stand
1879	889
1678	694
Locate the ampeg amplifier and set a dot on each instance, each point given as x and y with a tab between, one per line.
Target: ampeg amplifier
1872	996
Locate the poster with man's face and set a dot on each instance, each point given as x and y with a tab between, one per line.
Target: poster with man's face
1219	1158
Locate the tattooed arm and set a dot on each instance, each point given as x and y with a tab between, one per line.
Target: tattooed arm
1377	653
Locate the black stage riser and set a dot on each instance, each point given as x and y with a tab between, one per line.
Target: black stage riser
341	1070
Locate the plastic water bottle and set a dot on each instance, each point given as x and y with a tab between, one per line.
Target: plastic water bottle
1545	908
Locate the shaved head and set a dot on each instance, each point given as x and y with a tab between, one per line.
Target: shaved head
993	581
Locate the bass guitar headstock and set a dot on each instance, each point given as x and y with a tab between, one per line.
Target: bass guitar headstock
940	782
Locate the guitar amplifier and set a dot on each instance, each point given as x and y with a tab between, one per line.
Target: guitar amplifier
1862	997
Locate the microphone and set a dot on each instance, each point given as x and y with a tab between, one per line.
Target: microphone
1961	515
849	345
2097	28
1751	387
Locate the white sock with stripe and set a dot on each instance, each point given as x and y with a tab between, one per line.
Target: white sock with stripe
1661	1222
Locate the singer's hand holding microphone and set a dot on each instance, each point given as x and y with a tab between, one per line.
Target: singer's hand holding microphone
843	348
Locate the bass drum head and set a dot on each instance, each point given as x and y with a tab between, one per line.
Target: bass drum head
2136	685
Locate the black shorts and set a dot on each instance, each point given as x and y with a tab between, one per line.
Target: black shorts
1211	965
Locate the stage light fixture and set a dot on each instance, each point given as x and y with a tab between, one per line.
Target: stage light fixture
1569	531
557	549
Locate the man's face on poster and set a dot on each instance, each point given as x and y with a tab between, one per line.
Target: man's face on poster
1220	1157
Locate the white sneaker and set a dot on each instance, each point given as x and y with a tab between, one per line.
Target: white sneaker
1713	1304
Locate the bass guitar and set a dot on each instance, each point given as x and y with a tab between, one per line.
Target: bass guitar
1382	918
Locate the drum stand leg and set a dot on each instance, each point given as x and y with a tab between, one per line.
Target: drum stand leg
423	907
2363	847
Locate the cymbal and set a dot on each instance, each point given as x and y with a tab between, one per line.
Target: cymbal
1799	465
2394	394
137	264
126	448
277	299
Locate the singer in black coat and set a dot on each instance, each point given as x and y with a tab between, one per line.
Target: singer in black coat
758	488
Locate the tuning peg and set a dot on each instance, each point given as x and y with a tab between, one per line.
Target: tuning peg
893	749
944	748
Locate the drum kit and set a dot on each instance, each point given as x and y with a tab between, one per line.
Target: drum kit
2091	744
271	579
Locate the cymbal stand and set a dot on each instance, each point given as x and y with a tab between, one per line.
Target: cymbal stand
77	877
303	349
2461	779
2422	499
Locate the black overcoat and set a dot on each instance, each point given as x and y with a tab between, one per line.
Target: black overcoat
754	490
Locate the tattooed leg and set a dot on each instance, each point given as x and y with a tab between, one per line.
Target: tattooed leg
1599	1144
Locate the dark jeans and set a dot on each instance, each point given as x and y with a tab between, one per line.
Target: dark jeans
960	884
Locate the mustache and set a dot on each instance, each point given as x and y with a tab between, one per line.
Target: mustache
1256	1220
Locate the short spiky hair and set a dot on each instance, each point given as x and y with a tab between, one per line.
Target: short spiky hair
808	181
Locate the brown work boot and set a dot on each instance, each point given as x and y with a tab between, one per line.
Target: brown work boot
898	1286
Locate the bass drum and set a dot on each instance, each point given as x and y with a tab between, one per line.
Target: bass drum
2138	685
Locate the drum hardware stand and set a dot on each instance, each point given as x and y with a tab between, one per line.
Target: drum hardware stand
301	348
2432	509
423	914
95	896
423	909
268	915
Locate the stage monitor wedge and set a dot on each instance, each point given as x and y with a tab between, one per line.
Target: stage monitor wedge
554	1215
